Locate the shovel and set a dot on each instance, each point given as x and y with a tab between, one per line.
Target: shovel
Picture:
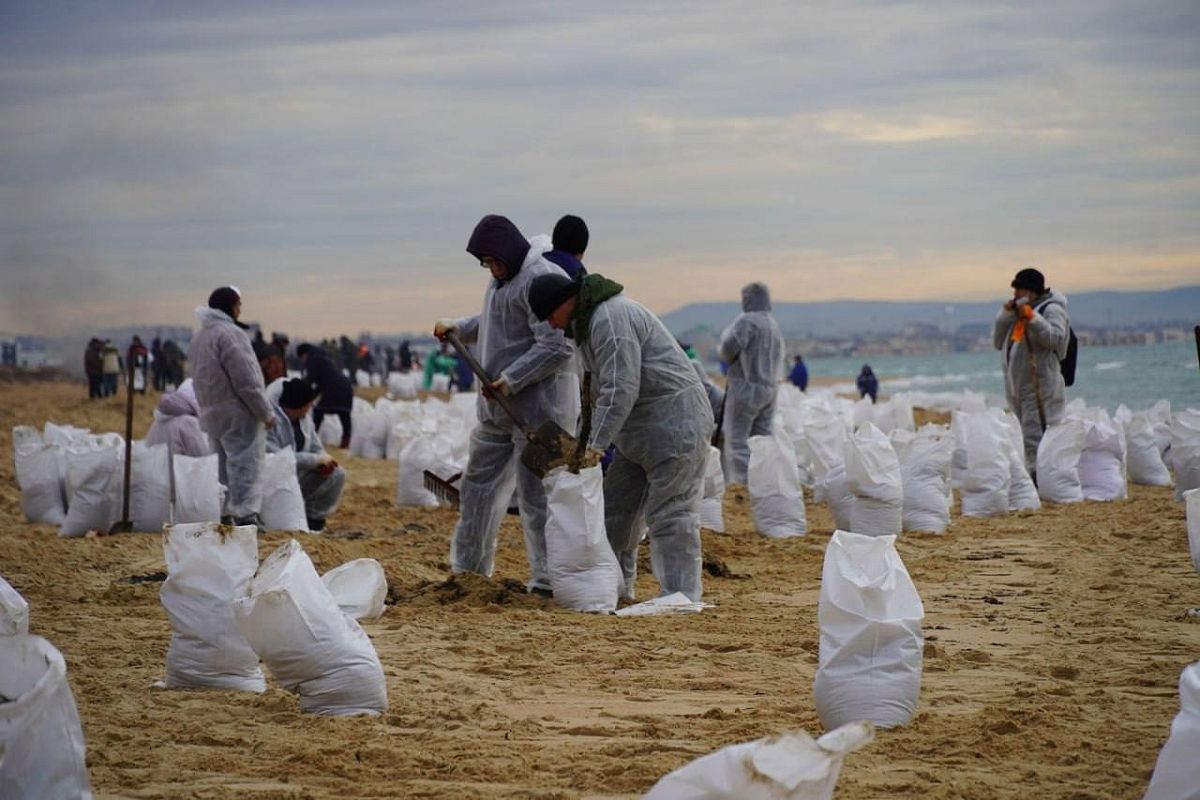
549	446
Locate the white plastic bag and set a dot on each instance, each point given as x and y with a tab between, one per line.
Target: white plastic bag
369	430
359	587
873	472
403	385
42	751
776	498
1102	460
423	453
94	479
584	573
150	487
712	497
835	488
925	473
294	624
14	611
1177	772
330	432
441	383
674	603
282	502
1058	463
208	567
1142	457
871	647
791	766
1191	499
37	467
1022	494
1185	450
987	473
198	492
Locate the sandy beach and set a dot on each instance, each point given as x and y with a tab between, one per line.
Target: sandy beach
1054	643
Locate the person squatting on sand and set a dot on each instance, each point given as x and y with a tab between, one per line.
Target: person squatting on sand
234	410
526	359
321	479
1032	331
177	423
753	348
649	401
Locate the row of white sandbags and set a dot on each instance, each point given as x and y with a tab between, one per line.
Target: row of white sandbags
383	429
227	612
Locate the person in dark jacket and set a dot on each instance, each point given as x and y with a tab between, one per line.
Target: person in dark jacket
336	392
570	240
799	374
868	384
93	367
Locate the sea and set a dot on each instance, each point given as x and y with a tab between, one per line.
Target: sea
1136	375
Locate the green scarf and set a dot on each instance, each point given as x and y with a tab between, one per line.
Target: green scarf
595	290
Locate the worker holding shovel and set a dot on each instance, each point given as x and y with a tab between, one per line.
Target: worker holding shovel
526	359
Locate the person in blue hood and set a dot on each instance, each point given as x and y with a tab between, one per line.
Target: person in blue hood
570	240
799	374
525	358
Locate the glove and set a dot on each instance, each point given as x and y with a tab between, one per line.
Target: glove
269	423
498	386
326	467
1025	311
444	326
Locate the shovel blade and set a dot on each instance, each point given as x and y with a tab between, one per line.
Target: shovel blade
549	446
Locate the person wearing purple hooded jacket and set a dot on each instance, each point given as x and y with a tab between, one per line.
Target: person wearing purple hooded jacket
525	358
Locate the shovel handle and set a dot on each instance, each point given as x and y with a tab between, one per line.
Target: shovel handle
477	368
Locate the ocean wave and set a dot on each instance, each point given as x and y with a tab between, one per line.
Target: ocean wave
1104	365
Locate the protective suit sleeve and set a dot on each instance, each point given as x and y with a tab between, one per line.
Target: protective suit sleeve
468	329
616	375
732	341
550	352
245	376
1048	329
1001	327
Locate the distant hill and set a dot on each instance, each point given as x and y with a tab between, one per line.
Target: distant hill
847	317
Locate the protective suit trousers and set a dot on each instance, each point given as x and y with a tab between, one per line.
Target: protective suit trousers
1031	424
749	411
241	444
321	494
492	466
664	484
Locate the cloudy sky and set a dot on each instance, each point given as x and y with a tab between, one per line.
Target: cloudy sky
331	158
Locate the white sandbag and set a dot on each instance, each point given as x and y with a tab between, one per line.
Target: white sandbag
421	454
42	751
871	643
1142	457
713	496
440	383
873	472
925	474
835	488
282	502
1022	493
359	587
94	480
791	766
362	377
330	432
988	472
1177	772
1102	460
1185	450
37	467
294	624
14	611
149	487
1058	463
584	573
198	492
1191	499
403	384
821	445
776	498
369	430
1160	417
208	567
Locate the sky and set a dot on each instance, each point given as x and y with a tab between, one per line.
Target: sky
331	159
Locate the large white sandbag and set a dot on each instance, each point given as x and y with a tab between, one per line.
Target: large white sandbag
94	480
1058	463
359	587
871	643
1142	457
440	383
198	492
330	432
403	384
791	766
1102	460
1191	499
987	473
1160	417
422	453
14	611
712	498
282	502
776	499
42	751
149	487
208	567
822	443
294	624
835	488
37	467
1022	494
925	474
584	573
369	430
1185	450
873	472
1177	772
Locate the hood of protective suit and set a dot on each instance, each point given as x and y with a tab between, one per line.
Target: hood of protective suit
181	402
756	297
497	237
212	316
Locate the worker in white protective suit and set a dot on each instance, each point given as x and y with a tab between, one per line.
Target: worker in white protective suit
753	348
234	410
648	399
321	479
525	359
